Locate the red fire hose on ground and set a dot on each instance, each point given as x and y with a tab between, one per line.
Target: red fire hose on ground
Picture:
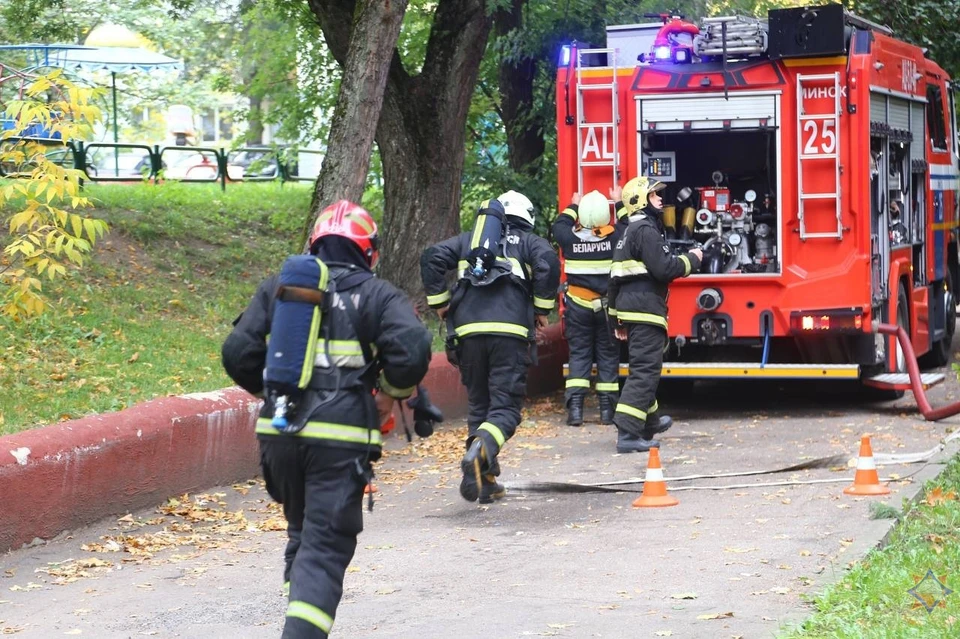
913	370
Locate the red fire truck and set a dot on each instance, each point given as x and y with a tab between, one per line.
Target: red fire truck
813	157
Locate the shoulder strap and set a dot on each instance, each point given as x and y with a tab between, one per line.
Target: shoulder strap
342	284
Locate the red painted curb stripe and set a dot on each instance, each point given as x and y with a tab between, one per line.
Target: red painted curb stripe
74	473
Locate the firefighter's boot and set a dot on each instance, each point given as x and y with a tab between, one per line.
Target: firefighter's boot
656	424
606	409
575	410
477	462
629	443
490	489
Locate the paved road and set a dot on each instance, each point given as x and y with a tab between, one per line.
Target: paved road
731	563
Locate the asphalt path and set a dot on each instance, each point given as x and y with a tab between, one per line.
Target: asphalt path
737	562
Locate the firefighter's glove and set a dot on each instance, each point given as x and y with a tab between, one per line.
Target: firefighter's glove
425	414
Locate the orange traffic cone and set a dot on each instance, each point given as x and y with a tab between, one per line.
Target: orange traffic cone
866	481
654	488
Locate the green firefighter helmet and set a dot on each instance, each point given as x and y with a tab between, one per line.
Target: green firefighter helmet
635	193
594	210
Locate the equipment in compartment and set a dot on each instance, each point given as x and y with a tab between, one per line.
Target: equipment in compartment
736	233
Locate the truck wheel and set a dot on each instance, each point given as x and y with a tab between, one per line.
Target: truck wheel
941	350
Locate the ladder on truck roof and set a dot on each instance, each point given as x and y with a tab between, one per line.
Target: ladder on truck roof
804	157
583	124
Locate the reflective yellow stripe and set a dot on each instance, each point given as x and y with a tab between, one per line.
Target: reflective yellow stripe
324	430
438	299
587	267
544	304
393	391
478	228
608	387
570	212
341	346
308	360
516	267
286	589
344	352
628	267
644	318
686	265
308	612
579	301
492	327
494	430
654	407
612	312
630	410
577	383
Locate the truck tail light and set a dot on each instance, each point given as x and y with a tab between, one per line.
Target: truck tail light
842	320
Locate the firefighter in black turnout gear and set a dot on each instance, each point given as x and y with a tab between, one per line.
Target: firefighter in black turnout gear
643	267
318	465
587	240
507	285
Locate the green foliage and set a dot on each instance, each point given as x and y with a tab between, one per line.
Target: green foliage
873	599
46	236
148	315
926	23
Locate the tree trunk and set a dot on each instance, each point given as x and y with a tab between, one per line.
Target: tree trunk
525	145
421	130
371	27
255	121
421	136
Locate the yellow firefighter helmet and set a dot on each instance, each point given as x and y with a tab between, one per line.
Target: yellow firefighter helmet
635	193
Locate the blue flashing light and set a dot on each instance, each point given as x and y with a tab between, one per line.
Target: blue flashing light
565	55
681	55
662	52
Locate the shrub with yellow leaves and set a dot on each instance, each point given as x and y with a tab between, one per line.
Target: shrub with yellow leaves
39	197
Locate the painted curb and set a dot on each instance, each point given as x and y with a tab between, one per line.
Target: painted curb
74	473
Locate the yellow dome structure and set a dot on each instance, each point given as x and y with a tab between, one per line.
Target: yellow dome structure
116	35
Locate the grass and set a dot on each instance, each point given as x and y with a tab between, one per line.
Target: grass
873	600
147	316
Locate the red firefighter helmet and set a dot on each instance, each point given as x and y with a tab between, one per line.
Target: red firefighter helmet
351	221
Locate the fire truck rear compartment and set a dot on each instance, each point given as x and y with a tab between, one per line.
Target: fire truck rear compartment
721	195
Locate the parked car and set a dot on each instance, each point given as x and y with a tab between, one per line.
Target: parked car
253	163
190	165
125	164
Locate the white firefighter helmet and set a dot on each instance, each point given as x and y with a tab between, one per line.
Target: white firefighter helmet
517	205
594	210
635	193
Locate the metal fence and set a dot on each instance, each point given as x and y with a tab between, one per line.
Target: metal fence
119	162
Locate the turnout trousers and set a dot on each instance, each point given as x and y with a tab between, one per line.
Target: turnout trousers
638	406
591	342
494	370
321	490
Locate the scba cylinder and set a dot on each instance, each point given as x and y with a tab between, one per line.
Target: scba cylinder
485	240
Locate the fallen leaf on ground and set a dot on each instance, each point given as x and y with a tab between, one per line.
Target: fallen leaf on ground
937	496
738	550
664	633
684	595
716	615
386	591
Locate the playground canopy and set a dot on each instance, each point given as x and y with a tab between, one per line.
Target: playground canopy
86	58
